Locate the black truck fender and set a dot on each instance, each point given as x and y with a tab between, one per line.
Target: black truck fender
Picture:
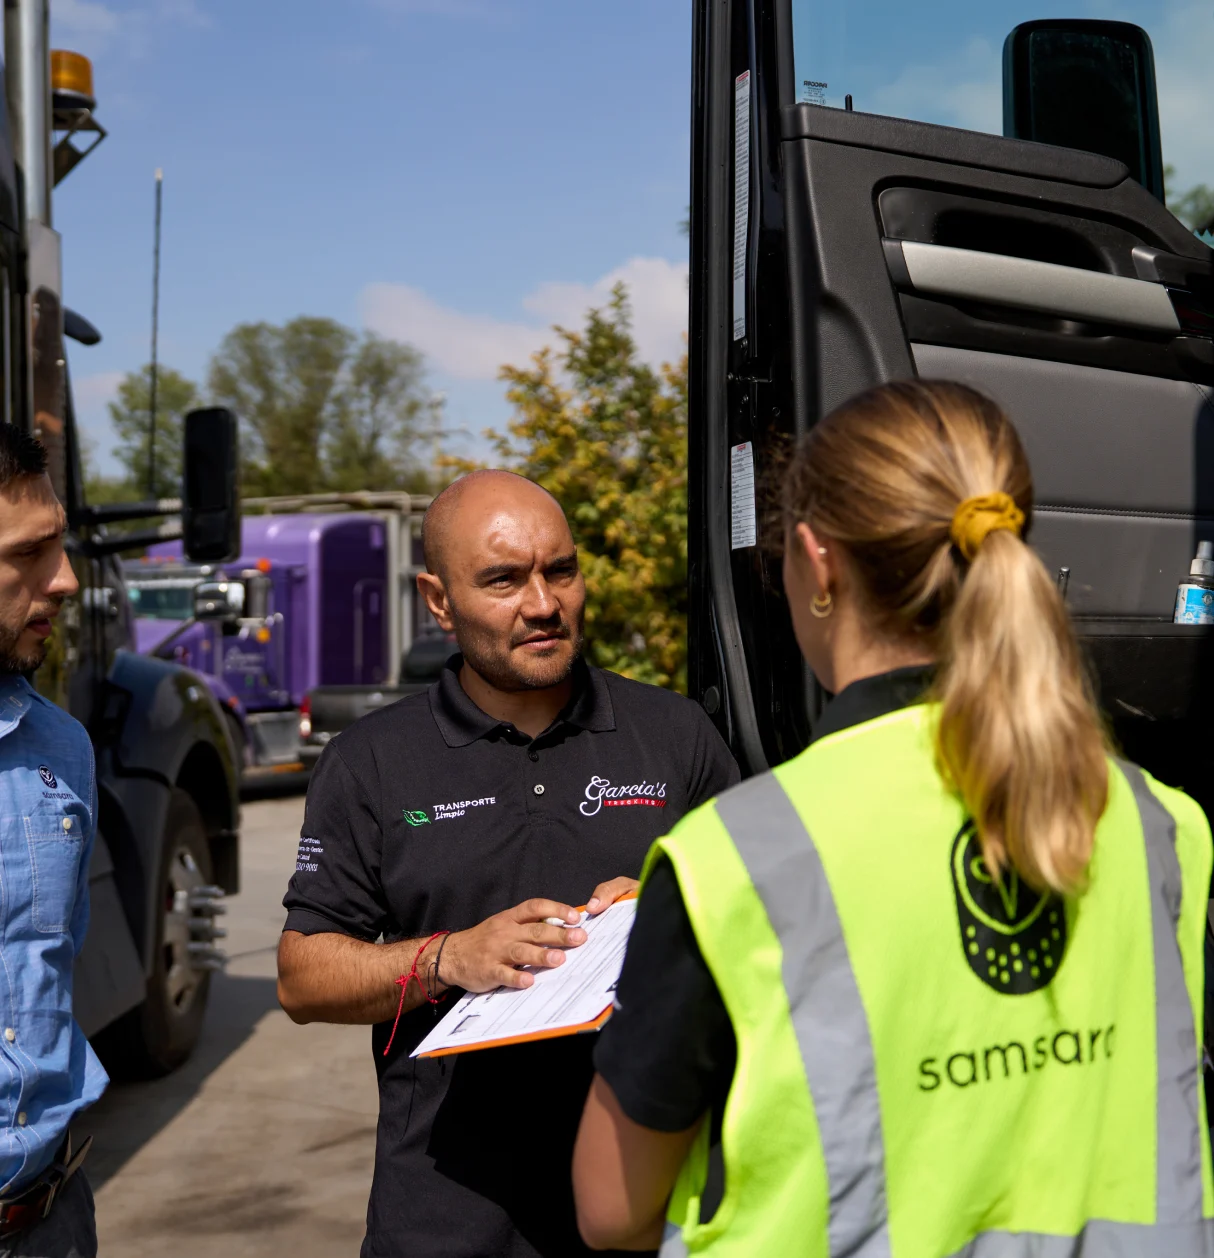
157	727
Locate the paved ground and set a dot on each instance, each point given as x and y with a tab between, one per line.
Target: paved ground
262	1144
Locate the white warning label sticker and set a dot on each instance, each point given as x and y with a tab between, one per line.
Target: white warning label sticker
743	530
741	198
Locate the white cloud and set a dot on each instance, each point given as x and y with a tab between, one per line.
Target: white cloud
966	92
84	17
92	27
91	396
473	347
93	392
443	8
965	89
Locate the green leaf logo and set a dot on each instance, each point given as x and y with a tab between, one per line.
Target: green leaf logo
417	818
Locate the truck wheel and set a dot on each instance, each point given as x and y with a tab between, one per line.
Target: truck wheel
158	1035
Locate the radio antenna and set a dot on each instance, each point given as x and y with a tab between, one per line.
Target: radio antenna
155	370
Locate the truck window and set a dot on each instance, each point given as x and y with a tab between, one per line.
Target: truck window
944	64
162	600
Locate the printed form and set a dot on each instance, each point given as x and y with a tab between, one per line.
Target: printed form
576	996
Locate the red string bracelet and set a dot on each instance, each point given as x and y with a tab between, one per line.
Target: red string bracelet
405	979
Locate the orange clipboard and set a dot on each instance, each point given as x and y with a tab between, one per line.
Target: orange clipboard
548	1033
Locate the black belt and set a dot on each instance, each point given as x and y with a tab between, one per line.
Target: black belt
34	1203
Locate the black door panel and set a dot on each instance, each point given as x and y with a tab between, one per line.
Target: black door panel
844	170
1098	438
1107	370
1121	566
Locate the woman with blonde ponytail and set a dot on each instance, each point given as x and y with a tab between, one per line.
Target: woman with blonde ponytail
934	985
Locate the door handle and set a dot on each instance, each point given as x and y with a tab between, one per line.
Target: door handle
1045	287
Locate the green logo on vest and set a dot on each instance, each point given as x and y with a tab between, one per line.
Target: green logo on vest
418	818
1013	936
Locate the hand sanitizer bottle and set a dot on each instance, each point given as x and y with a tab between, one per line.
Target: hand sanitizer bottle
1195	597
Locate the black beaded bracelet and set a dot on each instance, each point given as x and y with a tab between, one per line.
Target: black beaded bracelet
434	975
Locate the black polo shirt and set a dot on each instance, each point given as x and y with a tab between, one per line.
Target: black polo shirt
430	815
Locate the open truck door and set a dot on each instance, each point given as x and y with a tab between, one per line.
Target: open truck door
835	250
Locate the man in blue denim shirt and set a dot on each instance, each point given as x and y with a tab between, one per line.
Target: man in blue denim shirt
48	807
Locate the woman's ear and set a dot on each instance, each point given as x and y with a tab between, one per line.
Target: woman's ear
817	552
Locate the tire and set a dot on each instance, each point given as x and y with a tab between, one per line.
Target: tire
157	1036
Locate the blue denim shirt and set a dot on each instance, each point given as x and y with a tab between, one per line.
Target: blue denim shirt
48	809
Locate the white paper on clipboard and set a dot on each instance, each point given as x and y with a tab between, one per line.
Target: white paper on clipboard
741	198
572	997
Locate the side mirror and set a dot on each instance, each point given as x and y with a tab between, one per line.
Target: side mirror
210	510
1085	85
257	596
219	600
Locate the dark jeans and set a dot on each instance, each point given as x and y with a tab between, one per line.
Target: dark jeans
69	1231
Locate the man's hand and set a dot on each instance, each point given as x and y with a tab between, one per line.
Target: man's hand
607	893
485	957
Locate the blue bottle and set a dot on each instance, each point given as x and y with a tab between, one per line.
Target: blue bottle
1195	597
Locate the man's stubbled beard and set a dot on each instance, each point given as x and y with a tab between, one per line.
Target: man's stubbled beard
485	656
21	663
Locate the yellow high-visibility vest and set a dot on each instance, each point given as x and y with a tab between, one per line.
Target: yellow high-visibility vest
932	1063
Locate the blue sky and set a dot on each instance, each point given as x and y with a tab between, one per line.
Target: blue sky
459	173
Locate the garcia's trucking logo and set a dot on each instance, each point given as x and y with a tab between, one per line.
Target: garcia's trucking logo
416	817
601	794
1013	936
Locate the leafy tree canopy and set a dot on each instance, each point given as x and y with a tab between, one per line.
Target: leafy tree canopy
1194	206
322	407
606	435
130	413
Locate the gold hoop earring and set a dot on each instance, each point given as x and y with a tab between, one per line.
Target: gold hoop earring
822	606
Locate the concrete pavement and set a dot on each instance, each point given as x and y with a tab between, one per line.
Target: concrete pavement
262	1144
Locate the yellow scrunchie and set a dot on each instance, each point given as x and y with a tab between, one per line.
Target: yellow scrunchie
976	518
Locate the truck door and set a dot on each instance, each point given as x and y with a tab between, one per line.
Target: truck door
834	250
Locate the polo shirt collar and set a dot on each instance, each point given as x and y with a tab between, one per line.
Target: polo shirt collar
461	722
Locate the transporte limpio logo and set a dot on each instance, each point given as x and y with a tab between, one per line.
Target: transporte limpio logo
416	817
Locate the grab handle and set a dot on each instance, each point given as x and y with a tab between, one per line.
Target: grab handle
1045	287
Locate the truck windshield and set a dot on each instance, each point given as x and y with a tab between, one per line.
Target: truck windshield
162	600
942	62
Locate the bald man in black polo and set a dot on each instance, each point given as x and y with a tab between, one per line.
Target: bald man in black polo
452	823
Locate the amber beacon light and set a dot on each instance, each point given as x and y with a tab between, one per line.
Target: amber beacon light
72	77
72	106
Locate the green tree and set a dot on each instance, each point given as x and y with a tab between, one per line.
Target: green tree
381	411
320	406
606	435
99	488
130	413
281	382
1194	207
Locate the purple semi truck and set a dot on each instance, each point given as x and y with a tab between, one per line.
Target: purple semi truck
315	599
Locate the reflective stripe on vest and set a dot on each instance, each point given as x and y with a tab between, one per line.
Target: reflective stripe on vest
1178	1123
836	1047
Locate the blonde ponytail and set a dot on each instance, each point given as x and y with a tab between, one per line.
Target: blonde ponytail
1018	734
